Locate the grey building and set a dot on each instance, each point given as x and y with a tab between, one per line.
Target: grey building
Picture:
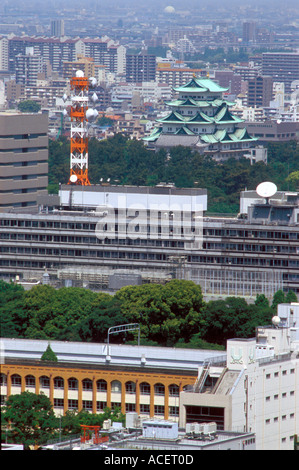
23	159
282	67
81	240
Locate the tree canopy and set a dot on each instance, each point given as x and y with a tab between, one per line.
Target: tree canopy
127	161
31	417
173	314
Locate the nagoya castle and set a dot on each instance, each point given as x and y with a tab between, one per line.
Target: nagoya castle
200	118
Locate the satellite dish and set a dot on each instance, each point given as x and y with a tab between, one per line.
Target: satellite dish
73	178
79	74
64	97
266	189
94	97
90	114
92	81
275	320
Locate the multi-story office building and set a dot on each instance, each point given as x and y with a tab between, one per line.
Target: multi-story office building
252	387
83	242
282	67
23	159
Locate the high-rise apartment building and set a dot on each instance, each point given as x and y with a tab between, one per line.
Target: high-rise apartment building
57	28
3	54
260	91
140	67
23	159
282	67
249	31
28	67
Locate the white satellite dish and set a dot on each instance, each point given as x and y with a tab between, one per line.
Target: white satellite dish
275	320
90	114
92	81
73	178
79	74
266	189
94	97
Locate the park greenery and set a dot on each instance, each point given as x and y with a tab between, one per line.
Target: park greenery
174	314
130	162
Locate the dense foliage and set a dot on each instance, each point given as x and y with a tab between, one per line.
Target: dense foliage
127	161
28	418
173	314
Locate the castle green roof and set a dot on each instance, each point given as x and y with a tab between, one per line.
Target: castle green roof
201	85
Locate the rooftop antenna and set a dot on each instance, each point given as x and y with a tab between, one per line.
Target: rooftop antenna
80	115
266	190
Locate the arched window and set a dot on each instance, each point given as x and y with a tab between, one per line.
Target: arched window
58	382
130	387
16	380
116	386
174	390
44	381
101	385
87	384
145	388
73	383
159	389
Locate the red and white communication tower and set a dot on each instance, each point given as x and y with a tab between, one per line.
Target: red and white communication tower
80	114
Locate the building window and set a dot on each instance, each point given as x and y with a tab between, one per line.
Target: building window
44	382
101	385
130	387
87	384
144	409
16	380
58	403
73	384
30	381
72	404
159	389
159	410
145	388
58	383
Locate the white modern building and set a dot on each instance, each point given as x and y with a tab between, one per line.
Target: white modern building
258	389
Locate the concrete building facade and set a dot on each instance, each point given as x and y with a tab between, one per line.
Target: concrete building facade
23	159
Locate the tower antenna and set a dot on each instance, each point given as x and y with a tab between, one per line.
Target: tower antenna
79	134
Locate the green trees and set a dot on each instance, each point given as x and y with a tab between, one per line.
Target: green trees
31	418
173	314
29	106
234	318
165	313
127	161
